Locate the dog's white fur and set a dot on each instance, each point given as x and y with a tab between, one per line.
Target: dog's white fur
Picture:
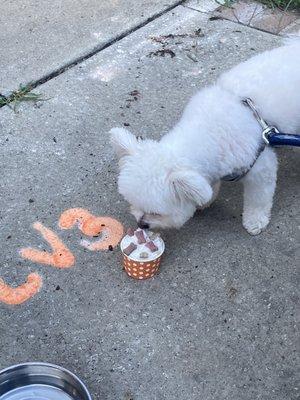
166	181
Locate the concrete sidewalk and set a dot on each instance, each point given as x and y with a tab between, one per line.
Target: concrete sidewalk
38	38
219	321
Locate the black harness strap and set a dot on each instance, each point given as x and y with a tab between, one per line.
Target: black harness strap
236	176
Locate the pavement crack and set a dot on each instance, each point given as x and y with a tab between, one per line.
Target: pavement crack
72	63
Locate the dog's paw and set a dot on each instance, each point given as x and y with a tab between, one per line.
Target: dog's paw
255	223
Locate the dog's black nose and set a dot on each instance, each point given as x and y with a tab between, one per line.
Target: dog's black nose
143	225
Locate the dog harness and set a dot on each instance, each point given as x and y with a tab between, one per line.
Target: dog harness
270	137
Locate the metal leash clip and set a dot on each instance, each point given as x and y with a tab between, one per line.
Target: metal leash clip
267	129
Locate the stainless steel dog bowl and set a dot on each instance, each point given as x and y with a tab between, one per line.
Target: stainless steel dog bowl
31	381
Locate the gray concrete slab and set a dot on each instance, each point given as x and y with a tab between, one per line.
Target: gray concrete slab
37	38
219	321
203	5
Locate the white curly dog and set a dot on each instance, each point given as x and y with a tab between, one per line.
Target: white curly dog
166	181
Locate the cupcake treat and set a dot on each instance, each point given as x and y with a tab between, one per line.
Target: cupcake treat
142	245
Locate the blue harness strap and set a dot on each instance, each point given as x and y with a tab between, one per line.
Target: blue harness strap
283	139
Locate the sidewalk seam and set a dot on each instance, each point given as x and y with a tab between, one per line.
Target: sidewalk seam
68	65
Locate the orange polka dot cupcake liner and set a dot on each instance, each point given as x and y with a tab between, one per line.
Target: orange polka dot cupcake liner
141	270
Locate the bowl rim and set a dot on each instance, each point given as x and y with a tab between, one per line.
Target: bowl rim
45	364
146	260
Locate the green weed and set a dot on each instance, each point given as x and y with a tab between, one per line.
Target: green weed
24	93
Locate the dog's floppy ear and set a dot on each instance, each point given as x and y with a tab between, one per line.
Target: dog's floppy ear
189	184
122	141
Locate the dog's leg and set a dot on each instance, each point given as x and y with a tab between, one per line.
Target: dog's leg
259	188
216	188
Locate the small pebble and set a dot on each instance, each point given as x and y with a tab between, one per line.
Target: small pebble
129	249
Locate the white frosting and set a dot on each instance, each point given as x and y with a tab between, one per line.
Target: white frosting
141	248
